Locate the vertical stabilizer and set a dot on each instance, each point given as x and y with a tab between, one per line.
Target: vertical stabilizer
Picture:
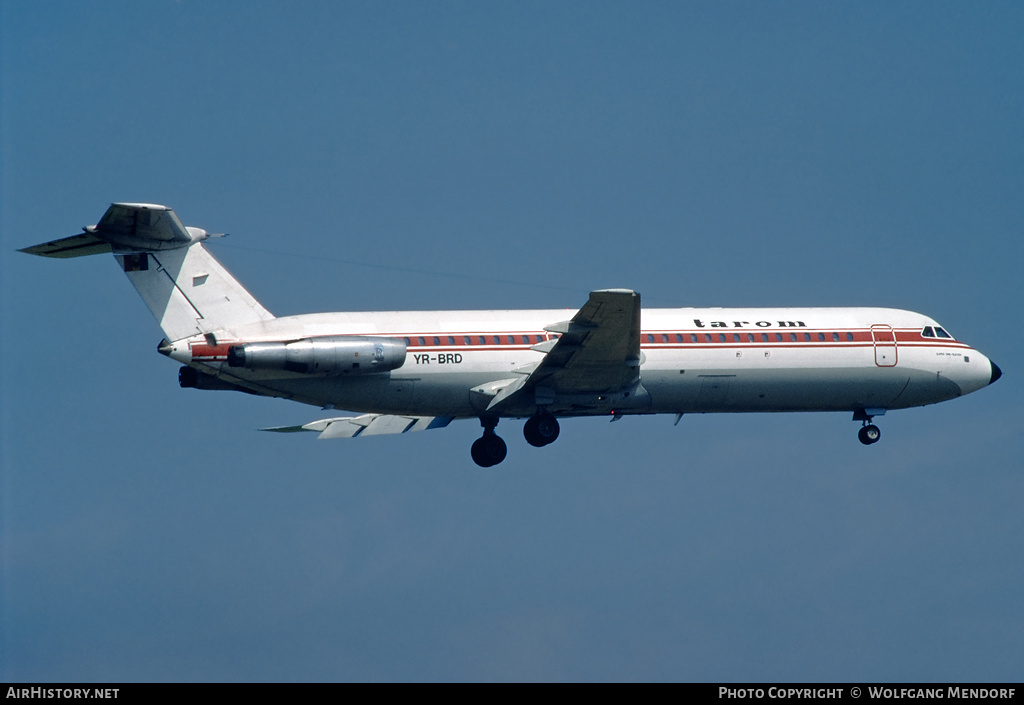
187	290
190	292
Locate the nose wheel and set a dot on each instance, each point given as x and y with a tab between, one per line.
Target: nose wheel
489	449
869	434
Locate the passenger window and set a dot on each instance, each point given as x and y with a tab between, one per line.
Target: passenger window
849	337
807	337
821	337
679	337
778	337
451	340
721	337
792	337
707	337
481	340
735	337
764	337
437	341
650	338
693	337
750	337
664	337
423	341
408	342
835	337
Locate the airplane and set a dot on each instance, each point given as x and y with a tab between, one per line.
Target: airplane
417	370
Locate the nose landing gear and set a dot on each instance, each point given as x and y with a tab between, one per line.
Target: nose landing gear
869	433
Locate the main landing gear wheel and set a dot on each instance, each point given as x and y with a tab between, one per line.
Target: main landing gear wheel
540	430
869	434
489	449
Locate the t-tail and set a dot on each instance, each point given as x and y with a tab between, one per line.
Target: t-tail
187	290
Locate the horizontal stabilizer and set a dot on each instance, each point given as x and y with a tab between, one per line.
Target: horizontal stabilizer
143	226
125	227
367	425
185	287
74	246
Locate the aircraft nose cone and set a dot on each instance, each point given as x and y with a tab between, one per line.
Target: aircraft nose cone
996	372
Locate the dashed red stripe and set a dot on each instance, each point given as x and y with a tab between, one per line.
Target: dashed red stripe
508	341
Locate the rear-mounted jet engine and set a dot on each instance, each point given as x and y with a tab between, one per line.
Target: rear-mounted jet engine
346	355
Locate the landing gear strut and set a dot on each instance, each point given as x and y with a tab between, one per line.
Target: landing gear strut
541	429
489	449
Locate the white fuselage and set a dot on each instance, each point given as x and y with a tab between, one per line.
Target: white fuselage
416	370
693	360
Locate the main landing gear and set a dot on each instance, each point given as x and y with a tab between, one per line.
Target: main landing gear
489	450
541	429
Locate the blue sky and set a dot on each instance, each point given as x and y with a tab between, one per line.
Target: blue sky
370	156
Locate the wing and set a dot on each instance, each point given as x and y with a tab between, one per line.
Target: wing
367	425
597	352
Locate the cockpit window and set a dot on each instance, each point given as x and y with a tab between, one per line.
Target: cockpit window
928	332
942	334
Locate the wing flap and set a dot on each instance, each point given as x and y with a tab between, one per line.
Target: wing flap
387	425
366	425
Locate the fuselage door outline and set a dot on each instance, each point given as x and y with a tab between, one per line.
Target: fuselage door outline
884	339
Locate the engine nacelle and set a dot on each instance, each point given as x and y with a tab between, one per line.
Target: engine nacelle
335	355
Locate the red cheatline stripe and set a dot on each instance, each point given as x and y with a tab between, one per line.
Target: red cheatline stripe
861	338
